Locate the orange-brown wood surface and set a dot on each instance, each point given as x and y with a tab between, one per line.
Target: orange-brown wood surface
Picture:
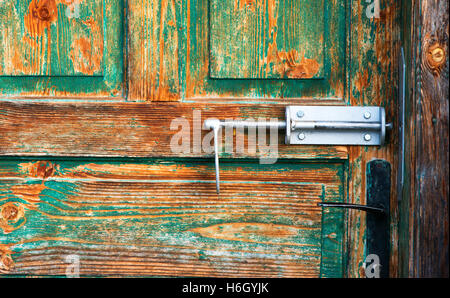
98	177
373	81
165	218
126	129
64	48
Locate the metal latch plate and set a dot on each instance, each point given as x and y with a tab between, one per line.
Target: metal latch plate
335	125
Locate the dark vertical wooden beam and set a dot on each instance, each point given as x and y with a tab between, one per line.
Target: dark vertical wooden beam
424	230
432	142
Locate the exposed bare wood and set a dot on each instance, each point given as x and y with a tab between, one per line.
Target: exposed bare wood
115	211
154	60
125	129
373	81
425	227
153	219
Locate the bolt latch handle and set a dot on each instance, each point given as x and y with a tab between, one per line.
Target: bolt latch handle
216	125
316	125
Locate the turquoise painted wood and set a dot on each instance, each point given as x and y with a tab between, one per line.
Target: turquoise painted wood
266	39
163	217
61	48
265	49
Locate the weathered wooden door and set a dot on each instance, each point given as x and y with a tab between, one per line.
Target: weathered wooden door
96	94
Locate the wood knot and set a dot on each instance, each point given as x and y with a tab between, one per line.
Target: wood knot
10	212
12	217
44	10
6	263
43	14
44	169
435	57
438	55
362	271
332	236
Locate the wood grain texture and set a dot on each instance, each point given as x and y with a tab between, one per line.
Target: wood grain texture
266	39
373	79
163	218
51	38
424	226
155	31
129	129
406	204
432	136
362	63
61	48
199	81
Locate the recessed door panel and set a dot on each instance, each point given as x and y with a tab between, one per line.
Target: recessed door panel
50	37
61	48
275	50
261	39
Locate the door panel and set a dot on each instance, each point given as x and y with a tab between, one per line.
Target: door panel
68	48
32	48
275	49
163	217
266	40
